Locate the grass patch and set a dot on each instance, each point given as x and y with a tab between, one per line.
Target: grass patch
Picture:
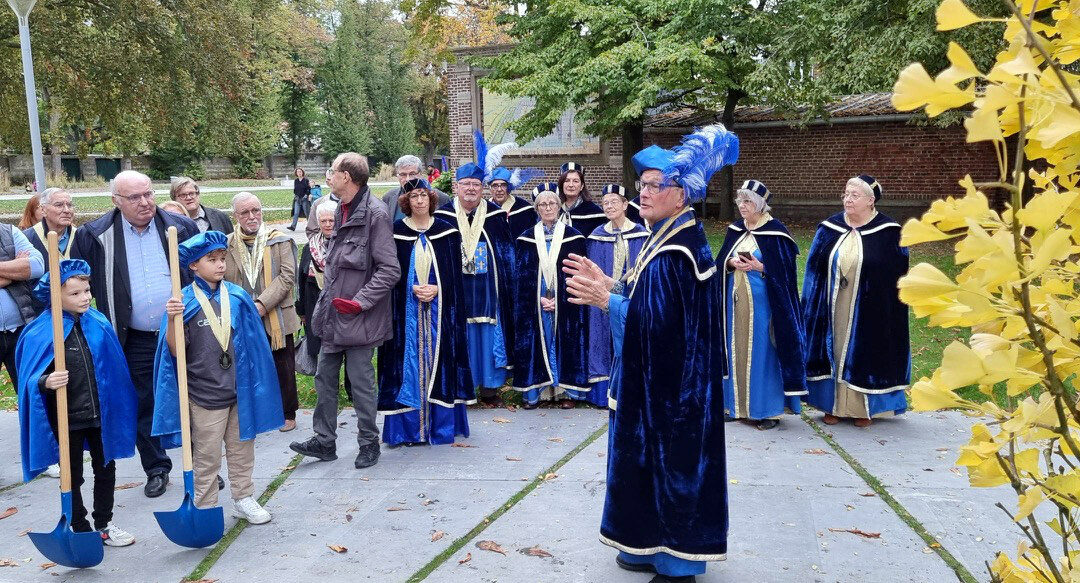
961	571
460	543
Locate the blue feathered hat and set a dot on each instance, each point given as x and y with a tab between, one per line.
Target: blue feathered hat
614	189
488	158
546	187
757	188
654	157
500	173
514	179
573	167
68	268
469	170
699	156
873	184
414	184
198	246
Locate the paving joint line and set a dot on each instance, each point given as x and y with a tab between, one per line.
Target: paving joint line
503	508
962	573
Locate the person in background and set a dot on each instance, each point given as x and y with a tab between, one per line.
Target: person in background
185	191
58	214
578	209
31	212
173	207
312	274
301	191
406	168
520	213
432	173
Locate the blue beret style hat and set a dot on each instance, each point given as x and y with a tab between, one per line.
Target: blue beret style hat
414	184
757	188
500	173
572	167
614	189
198	246
68	268
652	158
546	187
872	183
469	170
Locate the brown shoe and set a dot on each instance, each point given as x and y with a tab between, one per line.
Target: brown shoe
567	404
830	419
863	422
290	424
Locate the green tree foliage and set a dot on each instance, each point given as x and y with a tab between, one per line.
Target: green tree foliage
347	125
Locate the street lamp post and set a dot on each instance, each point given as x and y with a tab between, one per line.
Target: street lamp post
22	10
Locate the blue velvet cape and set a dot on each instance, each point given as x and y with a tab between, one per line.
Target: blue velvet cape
585	217
399	388
778	253
116	393
879	355
522	216
258	397
487	295
667	480
633	210
531	369
600	248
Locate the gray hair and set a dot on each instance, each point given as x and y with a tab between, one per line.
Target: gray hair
756	199
241	197
126	175
545	194
46	194
863	186
408	160
327	208
179	182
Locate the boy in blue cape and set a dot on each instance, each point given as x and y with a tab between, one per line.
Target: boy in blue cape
232	383
101	398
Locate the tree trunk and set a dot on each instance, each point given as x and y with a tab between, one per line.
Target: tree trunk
727	174
55	147
633	139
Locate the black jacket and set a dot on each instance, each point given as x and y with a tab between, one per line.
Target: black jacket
101	244
219	220
84	408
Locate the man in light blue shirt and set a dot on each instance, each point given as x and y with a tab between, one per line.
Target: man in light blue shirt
20	264
148	270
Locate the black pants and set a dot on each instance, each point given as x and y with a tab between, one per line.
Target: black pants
7	354
104	480
139	349
285	363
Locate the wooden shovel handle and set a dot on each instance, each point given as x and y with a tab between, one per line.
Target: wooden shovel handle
59	364
181	351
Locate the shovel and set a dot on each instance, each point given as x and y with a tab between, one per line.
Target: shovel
187	526
64	546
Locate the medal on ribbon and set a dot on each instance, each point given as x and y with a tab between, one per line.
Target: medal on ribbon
221	325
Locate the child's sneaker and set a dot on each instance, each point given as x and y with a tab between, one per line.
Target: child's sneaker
53	471
114	536
249	510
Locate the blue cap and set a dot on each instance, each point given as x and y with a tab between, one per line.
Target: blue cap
873	184
652	158
500	173
757	188
198	246
573	167
414	184
469	170
68	268
614	189
546	187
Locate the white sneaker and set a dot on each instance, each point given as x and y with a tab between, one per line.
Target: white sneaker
249	509
114	536
53	471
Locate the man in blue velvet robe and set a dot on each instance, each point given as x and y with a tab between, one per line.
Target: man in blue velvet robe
666	505
487	259
520	214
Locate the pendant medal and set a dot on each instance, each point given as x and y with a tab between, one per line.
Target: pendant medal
225	361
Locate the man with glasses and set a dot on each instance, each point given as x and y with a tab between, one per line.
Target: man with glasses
128	256
487	258
59	215
185	191
407	168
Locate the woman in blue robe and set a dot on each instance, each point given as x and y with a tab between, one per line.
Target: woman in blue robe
578	210
424	379
550	334
614	246
759	295
858	353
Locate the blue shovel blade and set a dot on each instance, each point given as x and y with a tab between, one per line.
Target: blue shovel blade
192	527
66	547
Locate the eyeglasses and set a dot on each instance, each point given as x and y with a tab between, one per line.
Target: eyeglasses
62	205
852	196
187	195
742	201
249	213
547	204
418	195
652	186
409	175
137	198
471	183
499	186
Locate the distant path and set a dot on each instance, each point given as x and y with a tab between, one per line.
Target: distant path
203	190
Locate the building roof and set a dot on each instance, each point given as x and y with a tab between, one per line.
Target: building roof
848	106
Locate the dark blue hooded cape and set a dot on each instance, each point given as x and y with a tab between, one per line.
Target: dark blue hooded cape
119	404
778	252
522	216
879	355
452	382
571	334
258	397
585	217
667	480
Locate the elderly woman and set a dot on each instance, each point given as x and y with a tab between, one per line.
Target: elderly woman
424	377
578	210
614	246
759	296
858	357
549	331
312	263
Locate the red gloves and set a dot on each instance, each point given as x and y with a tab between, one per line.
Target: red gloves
345	306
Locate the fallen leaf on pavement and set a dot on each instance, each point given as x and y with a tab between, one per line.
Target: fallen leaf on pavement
396	509
338	548
468	557
490	545
501	420
460	444
348	518
427	502
8	563
47	566
867	494
438	534
511	408
513	459
861	533
535	551
816	451
289	468
25	532
849	507
8	512
555	439
550	476
128	486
